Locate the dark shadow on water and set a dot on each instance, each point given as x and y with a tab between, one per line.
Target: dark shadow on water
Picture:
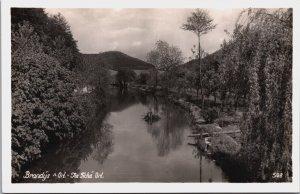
234	169
122	99
67	155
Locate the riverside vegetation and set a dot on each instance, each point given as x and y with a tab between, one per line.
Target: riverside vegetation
246	85
45	66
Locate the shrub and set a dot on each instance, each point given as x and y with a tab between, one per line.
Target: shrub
143	78
210	115
44	105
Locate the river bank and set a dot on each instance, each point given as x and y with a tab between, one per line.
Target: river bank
127	149
219	143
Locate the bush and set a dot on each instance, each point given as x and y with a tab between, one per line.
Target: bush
143	78
44	105
124	76
210	115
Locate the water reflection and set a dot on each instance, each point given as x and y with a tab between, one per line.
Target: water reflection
104	145
97	141
208	172
122	99
168	133
127	149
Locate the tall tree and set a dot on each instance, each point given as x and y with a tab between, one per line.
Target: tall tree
258	62
199	23
152	58
165	58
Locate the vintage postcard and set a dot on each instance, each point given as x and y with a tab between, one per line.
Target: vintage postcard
140	96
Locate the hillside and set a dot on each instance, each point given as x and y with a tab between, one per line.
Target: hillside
208	60
116	60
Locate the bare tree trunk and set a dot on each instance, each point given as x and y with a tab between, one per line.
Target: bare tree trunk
236	103
200	77
156	72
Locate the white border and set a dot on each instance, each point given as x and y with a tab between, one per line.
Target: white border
8	187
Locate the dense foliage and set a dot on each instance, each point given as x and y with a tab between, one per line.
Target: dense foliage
44	105
124	76
93	72
255	65
267	126
143	78
210	75
53	31
210	114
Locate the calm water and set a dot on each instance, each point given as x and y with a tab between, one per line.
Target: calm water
127	149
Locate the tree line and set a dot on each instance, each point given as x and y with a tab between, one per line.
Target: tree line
253	70
45	73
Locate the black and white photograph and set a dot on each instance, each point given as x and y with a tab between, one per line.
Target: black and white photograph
151	95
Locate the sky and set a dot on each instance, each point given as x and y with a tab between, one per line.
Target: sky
135	31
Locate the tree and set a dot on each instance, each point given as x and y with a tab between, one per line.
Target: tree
152	58
143	78
199	23
92	71
44	105
165	58
124	76
257	61
195	53
211	80
273	63
54	33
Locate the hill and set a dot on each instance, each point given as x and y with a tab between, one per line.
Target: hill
116	60
210	59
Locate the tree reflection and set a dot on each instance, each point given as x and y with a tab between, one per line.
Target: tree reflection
167	132
104	146
198	153
121	100
96	142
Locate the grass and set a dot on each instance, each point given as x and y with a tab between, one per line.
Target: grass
221	143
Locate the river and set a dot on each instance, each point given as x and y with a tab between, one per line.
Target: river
122	147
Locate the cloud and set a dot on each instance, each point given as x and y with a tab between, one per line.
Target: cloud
114	45
135	31
127	31
137	43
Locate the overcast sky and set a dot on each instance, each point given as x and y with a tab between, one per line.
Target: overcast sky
135	31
